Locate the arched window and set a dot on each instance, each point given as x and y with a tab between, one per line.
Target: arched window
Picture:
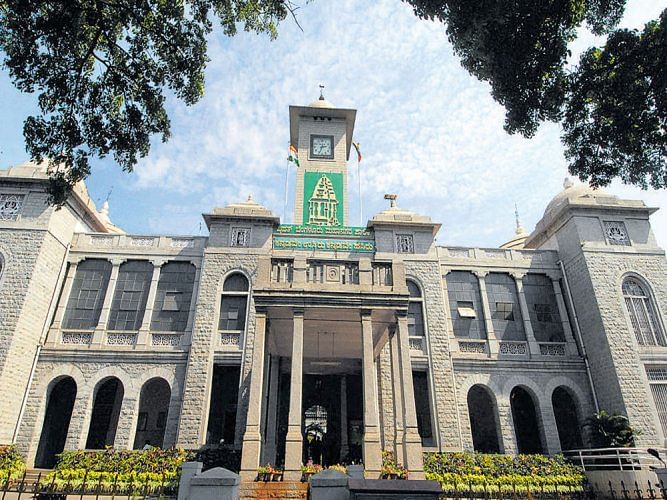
567	422
415	311
526	423
483	420
643	318
234	303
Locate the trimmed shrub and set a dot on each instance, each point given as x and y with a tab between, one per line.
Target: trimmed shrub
127	469
480	472
11	463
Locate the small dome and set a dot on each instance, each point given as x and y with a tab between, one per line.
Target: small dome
572	192
321	103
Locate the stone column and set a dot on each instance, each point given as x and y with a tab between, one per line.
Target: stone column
533	346
98	336
142	338
294	438
372	452
562	312
62	304
269	451
412	443
252	439
486	310
396	378
344	445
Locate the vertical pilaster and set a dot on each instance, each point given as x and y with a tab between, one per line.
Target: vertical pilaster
62	304
108	300
396	378
144	330
562	312
294	439
344	445
372	452
269	451
252	439
486	310
412	444
187	337
533	346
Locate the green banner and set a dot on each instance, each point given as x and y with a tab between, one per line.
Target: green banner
351	231
330	245
323	199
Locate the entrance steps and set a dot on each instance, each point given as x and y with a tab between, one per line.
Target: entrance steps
273	490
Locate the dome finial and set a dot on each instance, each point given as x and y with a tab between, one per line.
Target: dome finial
322	92
392	199
519	227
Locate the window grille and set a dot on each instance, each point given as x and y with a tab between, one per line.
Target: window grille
233	303
659	392
415	311
655	374
87	296
616	233
405	243
240	236
643	319
173	298
129	302
10	206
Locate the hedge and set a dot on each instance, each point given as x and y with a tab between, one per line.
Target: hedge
139	468
480	471
11	462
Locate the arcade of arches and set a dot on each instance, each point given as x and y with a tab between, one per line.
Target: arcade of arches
528	427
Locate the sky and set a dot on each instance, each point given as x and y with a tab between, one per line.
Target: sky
429	131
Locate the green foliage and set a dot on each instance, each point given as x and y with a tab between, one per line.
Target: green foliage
11	462
615	122
610	431
154	467
101	69
613	106
479	471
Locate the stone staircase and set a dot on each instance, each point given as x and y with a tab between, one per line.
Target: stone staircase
273	490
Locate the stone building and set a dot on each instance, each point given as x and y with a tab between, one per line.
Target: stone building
321	340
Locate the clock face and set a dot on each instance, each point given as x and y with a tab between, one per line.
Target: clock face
321	146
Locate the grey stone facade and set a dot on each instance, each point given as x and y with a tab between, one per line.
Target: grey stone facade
341	318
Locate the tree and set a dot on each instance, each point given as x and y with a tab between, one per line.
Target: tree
102	67
612	106
610	430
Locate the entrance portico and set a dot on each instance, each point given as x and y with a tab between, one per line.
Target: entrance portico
319	401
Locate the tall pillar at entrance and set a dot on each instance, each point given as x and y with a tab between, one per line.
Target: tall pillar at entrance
412	443
372	451
344	444
397	387
294	439
252	439
269	451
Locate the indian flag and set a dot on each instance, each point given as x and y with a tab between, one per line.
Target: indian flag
358	148
293	155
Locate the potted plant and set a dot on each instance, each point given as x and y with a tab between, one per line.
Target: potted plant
264	473
309	469
338	467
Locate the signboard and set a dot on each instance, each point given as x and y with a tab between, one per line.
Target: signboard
323	238
323	244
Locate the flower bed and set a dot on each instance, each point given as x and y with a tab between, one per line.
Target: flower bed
11	463
149	469
506	473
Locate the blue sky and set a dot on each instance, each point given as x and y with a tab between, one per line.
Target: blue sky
428	130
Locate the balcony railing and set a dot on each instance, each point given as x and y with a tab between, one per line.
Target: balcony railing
382	274
282	270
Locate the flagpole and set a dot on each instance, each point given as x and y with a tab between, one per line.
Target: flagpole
286	183
361	199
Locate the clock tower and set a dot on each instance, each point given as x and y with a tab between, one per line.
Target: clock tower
322	135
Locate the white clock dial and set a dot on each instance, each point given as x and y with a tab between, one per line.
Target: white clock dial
322	147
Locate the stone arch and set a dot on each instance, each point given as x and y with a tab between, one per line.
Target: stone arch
488	381
59	405
566	413
108	398
527	420
654	304
484	421
153	411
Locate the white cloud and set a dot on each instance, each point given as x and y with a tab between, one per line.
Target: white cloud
429	131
